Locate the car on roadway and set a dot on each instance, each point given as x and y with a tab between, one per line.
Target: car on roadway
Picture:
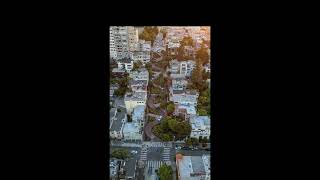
134	152
186	148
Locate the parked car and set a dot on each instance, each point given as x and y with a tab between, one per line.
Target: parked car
185	148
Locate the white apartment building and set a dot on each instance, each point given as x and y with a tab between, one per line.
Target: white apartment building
179	84
144	45
174	66
133	36
134	99
200	126
140	74
119	42
185	99
113	50
142	56
186	67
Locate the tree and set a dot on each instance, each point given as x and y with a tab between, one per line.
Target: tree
202	112
194	141
170	108
196	76
203	55
200	139
188	142
166	137
120	153
165	172
187	41
136	65
149	33
205	140
205	75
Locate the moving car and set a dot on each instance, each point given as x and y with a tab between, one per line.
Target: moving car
134	152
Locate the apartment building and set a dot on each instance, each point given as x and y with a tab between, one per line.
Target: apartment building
119	42
184	68
142	56
140	74
133	130
125	64
133	37
134	99
138	85
200	126
193	167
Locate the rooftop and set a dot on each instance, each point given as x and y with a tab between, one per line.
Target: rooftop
190	108
197	164
130	127
184	98
199	121
192	164
125	60
136	96
117	70
138	82
138	113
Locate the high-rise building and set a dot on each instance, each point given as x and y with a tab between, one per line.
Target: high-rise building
119	42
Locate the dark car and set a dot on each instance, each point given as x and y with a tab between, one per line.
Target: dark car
208	149
185	148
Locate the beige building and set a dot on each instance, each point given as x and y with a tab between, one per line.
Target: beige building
132	100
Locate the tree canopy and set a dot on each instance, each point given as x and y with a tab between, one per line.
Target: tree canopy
170	108
120	153
149	33
202	55
196	76
165	172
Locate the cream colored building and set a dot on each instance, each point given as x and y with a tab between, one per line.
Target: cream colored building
132	100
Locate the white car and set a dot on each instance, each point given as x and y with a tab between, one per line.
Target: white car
134	152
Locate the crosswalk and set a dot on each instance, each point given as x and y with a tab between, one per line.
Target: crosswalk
166	154
158	144
125	144
155	164
143	154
